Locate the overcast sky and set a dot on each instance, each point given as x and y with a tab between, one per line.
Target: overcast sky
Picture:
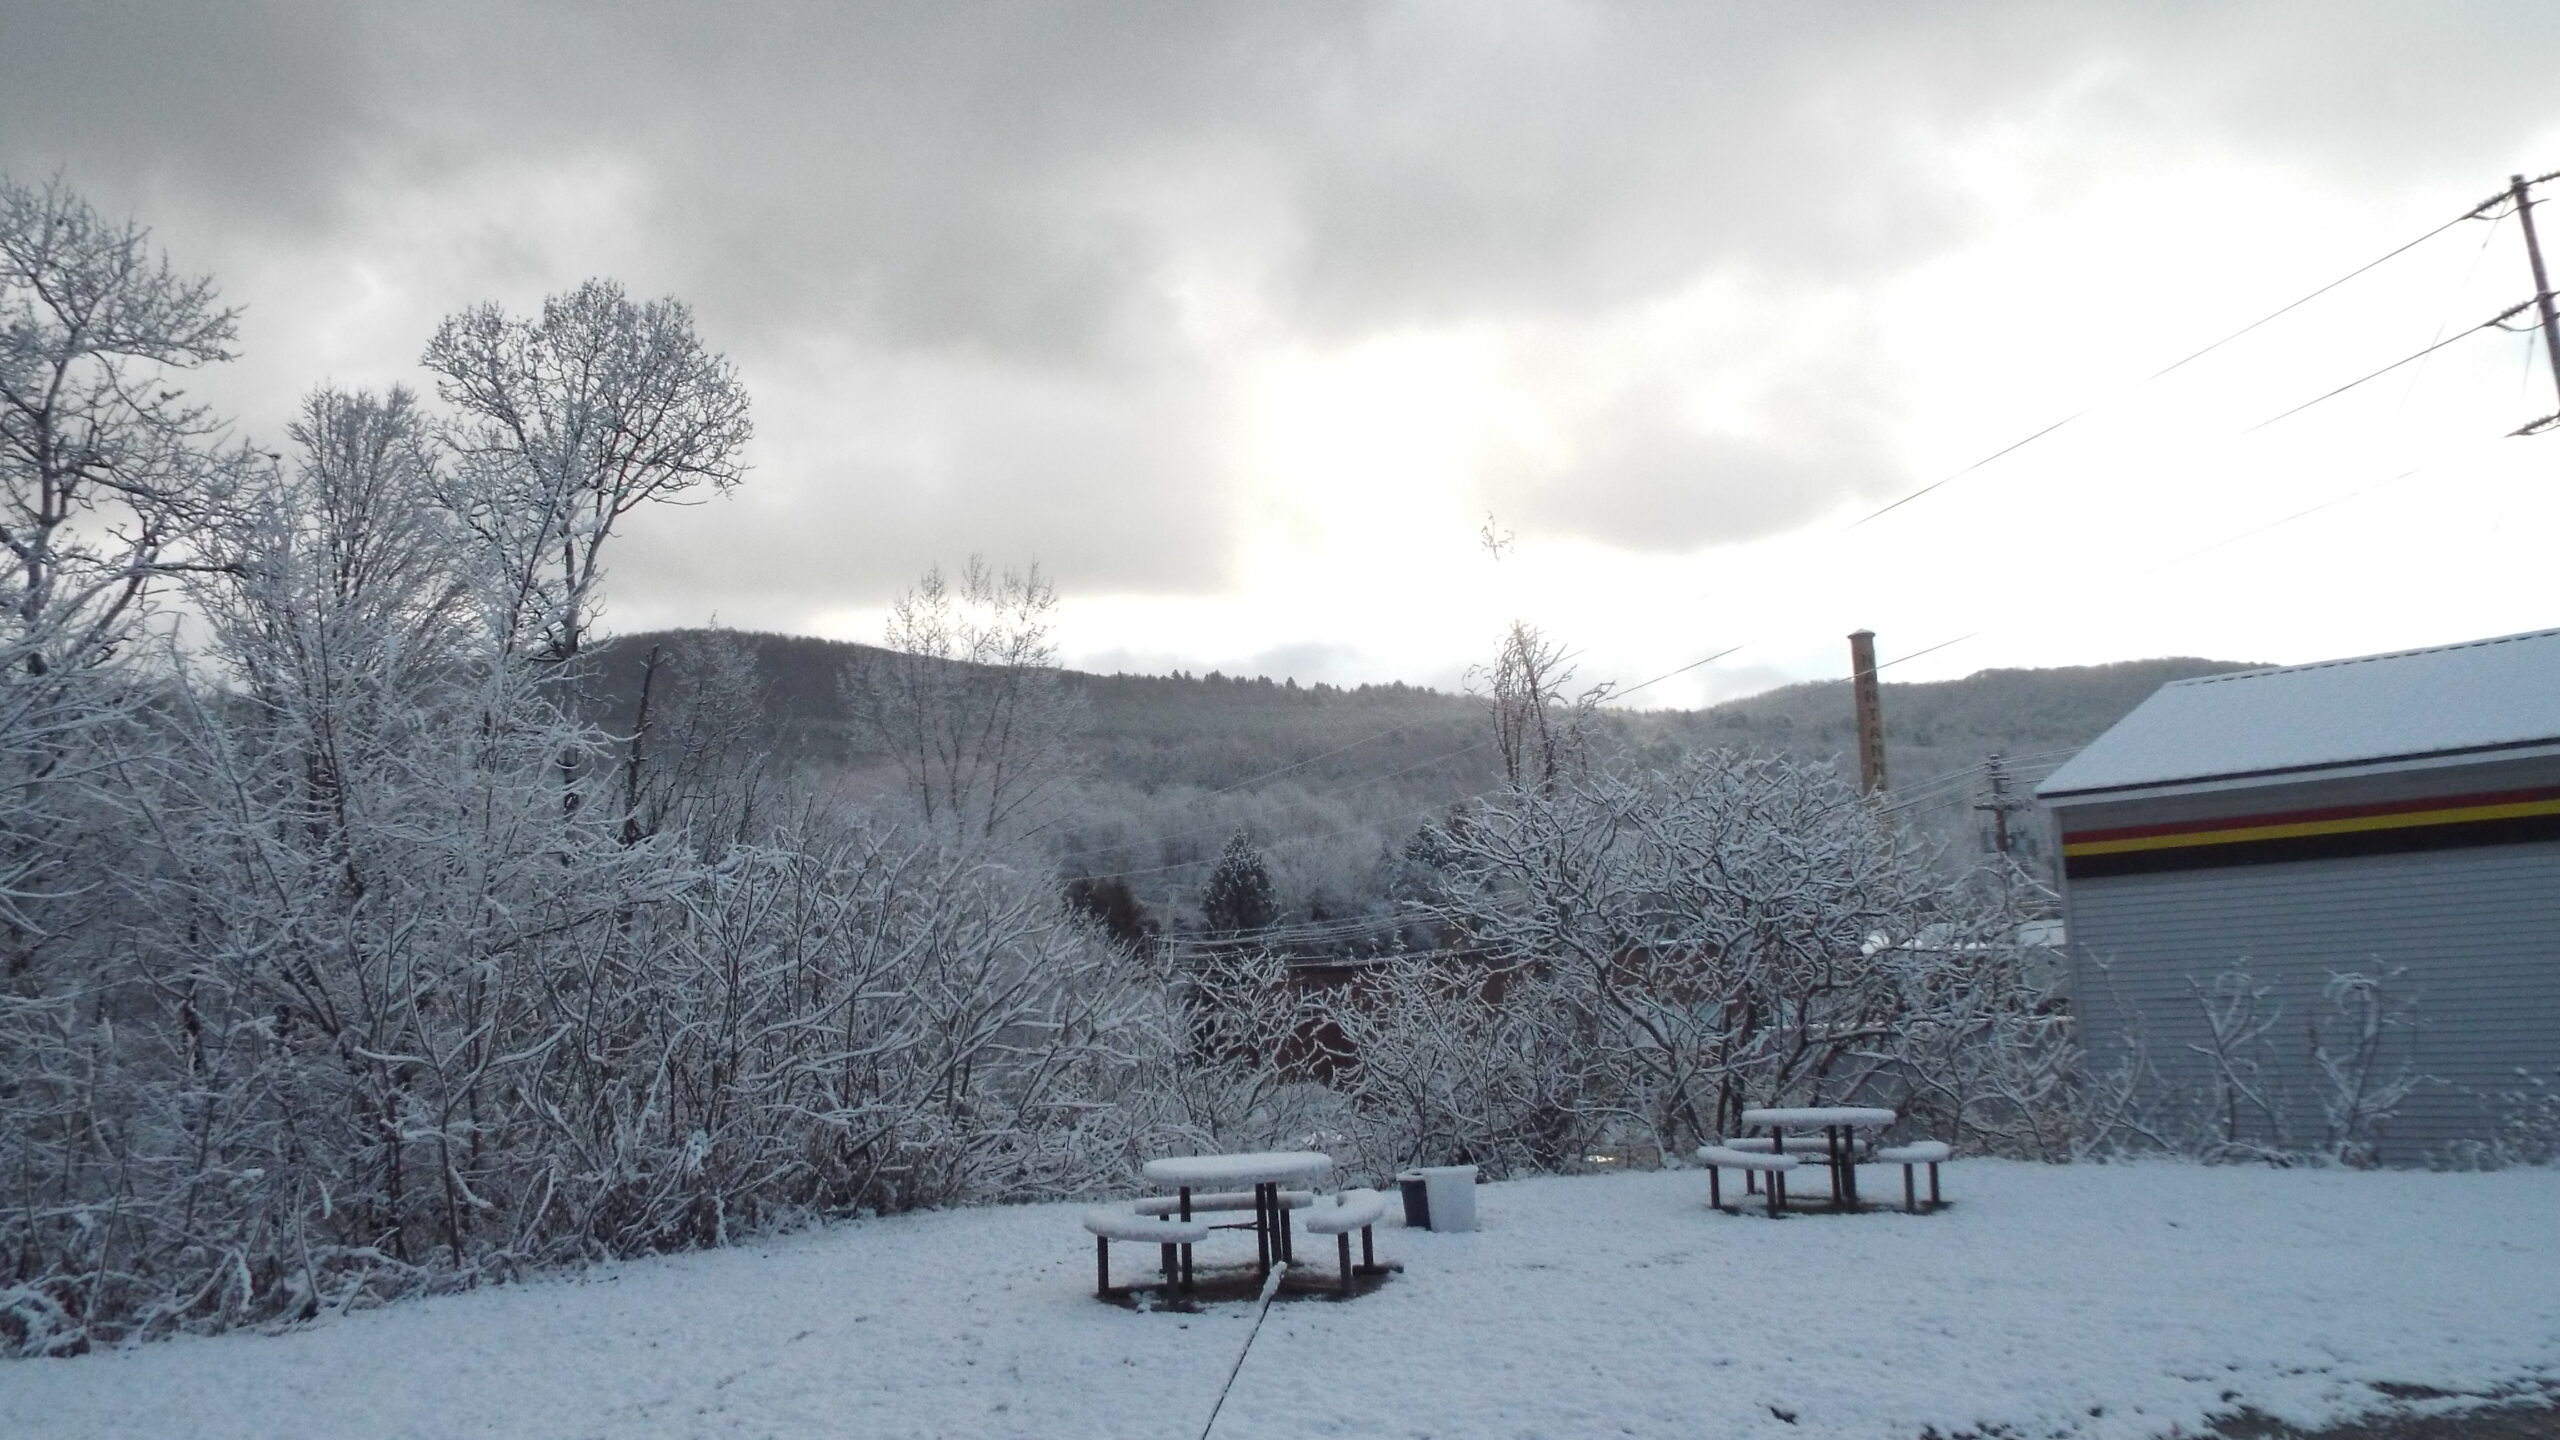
1240	319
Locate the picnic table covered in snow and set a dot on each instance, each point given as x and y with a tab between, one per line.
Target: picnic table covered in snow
1265	1170
1838	1124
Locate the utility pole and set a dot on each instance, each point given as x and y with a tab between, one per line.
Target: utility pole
2521	191
1862	674
2001	801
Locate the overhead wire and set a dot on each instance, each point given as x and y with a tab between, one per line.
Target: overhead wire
1370	738
1620	694
1221	824
2469	273
2164	371
2282	310
2493	321
2226	541
1932	790
2439	344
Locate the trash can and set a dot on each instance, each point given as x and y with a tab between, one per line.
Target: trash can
1449	1196
1417	1200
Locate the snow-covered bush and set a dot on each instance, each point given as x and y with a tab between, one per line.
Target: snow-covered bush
1255	1054
1474	1064
338	961
1654	950
2244	1089
446	1027
2525	1123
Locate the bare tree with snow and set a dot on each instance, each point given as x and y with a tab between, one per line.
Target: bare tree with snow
1540	725
106	467
569	421
968	698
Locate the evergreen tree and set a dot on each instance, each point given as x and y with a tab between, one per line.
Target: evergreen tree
1238	900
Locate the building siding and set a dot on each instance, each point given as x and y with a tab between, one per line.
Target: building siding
2476	933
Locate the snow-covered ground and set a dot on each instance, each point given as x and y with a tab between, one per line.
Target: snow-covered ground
2082	1301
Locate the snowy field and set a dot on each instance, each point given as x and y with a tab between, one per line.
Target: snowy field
2082	1301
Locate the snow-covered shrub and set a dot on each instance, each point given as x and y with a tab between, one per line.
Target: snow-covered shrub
1254	1054
870	1020
477	1033
2359	1074
1474	1064
1657	949
341	963
2244	1089
2525	1124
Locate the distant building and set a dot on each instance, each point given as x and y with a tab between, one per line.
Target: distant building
2355	817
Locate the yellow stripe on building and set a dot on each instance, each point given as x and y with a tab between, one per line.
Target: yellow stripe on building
2405	820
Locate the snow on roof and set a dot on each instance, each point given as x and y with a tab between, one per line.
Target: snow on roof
2449	698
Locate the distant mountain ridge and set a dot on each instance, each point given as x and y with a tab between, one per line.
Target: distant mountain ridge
1218	730
1210	730
1332	778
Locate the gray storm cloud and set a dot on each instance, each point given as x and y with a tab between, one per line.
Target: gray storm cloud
991	210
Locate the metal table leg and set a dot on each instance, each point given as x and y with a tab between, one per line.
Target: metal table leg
1186	1250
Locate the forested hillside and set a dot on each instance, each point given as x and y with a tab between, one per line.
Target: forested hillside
1330	782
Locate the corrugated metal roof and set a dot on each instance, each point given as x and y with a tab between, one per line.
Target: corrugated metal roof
2478	695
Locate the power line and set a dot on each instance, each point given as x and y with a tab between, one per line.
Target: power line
1349	926
1933	789
1960	474
2468	273
1683	670
2493	321
2479	211
2163	372
1941	645
2184	556
2286	309
1614	693
2166	370
2506	314
1391	730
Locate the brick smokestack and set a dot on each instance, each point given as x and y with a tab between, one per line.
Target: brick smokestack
1862	671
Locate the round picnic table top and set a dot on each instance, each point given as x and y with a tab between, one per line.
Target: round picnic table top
1806	1117
1259	1167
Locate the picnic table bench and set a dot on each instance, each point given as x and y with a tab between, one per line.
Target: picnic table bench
1107	1224
1932	1153
1720	1158
1351	1210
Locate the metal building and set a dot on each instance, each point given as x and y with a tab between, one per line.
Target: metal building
2394	817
